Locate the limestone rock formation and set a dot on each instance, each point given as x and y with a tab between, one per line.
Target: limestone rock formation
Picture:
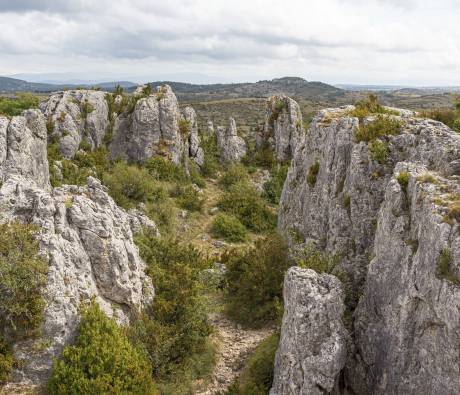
86	237
232	147
196	153
388	221
283	127
312	346
23	148
76	116
155	128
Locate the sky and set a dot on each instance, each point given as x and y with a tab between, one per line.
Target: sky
400	42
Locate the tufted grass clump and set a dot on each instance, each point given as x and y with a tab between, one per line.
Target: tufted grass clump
368	106
164	170
254	281
312	174
379	151
427	178
312	258
235	173
101	361
175	326
229	228
443	269
245	203
22	101
188	197
381	126
403	179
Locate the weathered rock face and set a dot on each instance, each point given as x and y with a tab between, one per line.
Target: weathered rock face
283	127
312	346
76	116
389	239
232	147
86	236
155	128
23	148
196	153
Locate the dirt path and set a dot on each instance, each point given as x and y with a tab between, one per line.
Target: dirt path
233	347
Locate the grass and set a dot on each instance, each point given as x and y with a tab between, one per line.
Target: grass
380	127
403	179
379	151
229	228
427	178
320	262
312	174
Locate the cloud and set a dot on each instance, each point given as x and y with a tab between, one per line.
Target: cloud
333	40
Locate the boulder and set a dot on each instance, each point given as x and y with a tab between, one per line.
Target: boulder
312	348
196	153
232	147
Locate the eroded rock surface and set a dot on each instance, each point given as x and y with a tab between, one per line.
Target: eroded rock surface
76	116
86	237
154	128
283	127
389	238
232	147
312	346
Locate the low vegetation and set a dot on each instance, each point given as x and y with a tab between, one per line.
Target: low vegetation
379	151
265	265
188	197
403	179
101	361
244	202
449	117
274	186
312	174
15	106
174	328
257	376
444	270
368	106
312	258
379	127
235	173
229	228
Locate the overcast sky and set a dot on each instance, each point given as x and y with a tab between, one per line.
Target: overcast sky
355	41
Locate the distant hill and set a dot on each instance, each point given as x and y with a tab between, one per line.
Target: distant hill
291	86
9	85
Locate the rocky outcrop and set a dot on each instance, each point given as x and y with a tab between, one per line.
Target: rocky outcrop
86	237
283	127
23	148
156	127
388	221
232	147
76	117
196	153
312	346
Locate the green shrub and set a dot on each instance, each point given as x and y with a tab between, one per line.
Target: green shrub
245	203
444	270
262	156
311	258
16	106
235	173
257	376
86	108
195	176
22	277
184	127
164	170
381	126
229	228
403	179
254	281
188	197
163	213
312	174
379	151
102	361
370	105
175	326
448	117
274	186
129	185
6	362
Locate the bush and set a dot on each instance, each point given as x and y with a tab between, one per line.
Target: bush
370	105
188	197
234	174
195	176
311	258
164	170
403	179
245	203
229	228
163	213
102	361
379	151
274	186
257	376
448	117
381	126
443	270
175	326
22	277
13	107
254	281
312	174
130	185
6	362
211	156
